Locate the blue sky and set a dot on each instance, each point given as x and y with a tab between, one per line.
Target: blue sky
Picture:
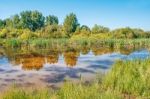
110	13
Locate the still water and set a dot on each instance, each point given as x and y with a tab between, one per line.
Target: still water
51	68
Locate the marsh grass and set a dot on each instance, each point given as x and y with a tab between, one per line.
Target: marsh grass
12	43
68	91
130	78
47	43
84	41
18	93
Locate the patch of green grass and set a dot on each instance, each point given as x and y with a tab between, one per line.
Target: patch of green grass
75	41
130	77
12	43
16	93
68	91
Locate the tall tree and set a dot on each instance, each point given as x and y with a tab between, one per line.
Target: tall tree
85	30
51	20
99	29
70	24
32	20
124	33
16	21
8	23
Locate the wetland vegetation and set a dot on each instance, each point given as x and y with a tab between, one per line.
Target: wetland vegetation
125	80
39	43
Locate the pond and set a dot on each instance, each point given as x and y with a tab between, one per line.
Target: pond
51	67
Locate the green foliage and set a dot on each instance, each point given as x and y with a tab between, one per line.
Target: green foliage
127	33
51	31
101	36
1	24
68	91
83	30
12	43
8	23
15	93
81	91
27	34
4	33
32	20
70	24
51	20
99	29
41	27
130	77
47	43
16	21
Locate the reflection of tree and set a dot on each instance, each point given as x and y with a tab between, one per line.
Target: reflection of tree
52	58
71	58
15	61
101	50
32	62
34	59
126	50
12	56
85	50
1	52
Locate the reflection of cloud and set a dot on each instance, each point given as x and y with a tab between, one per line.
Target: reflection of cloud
69	59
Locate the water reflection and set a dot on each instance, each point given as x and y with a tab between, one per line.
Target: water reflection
30	59
70	58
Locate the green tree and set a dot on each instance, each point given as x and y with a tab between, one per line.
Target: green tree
85	30
99	29
32	20
1	24
4	33
139	33
16	21
51	20
70	24
124	33
8	23
52	31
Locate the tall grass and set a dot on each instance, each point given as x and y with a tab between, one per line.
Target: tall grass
12	43
68	91
46	43
63	42
17	93
130	77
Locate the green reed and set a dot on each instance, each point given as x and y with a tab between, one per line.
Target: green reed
130	77
63	42
68	91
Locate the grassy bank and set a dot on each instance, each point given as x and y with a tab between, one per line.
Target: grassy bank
68	91
63	42
130	78
126	80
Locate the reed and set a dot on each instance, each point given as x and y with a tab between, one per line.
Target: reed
68	91
130	78
63	42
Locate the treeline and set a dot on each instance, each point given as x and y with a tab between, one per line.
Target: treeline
32	24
